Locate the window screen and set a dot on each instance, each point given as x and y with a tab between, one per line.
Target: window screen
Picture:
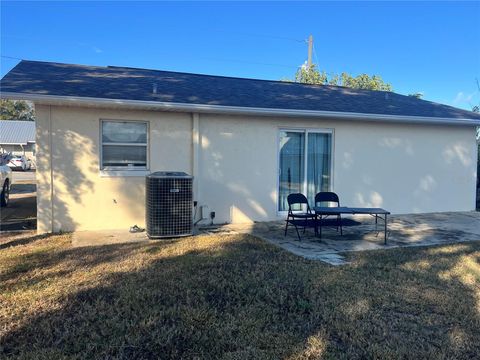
124	145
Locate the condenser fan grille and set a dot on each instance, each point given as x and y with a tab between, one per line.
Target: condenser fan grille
169	204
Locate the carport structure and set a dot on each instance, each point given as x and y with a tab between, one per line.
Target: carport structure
18	137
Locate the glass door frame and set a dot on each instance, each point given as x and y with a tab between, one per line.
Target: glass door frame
306	131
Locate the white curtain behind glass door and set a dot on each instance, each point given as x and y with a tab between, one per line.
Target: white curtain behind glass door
318	164
293	170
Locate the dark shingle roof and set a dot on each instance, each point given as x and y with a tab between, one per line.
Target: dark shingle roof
43	78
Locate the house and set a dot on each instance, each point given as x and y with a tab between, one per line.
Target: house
18	137
248	143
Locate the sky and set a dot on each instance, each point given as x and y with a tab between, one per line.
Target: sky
428	47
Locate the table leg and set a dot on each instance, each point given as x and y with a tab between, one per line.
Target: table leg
320	226
385	229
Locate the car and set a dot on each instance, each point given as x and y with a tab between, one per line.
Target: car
5	179
20	162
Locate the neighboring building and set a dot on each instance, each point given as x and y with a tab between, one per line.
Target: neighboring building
18	137
247	142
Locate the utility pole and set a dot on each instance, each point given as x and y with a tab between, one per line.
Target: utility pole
310	48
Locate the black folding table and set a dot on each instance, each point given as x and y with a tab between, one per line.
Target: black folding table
375	212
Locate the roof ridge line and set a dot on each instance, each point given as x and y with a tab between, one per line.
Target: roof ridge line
215	76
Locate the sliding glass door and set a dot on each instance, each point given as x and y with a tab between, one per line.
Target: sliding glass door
292	166
305	162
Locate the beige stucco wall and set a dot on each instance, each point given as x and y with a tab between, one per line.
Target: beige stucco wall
403	168
83	199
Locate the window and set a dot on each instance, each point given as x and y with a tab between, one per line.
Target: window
124	145
305	164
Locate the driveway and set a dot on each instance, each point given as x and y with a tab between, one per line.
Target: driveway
21	212
23	176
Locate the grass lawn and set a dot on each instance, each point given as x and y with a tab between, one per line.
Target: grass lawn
235	297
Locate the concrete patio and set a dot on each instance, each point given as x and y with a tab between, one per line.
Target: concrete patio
403	231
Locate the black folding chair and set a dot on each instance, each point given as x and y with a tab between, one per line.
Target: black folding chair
299	217
330	197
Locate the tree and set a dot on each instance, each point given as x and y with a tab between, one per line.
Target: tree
311	75
16	110
364	81
476	109
417	95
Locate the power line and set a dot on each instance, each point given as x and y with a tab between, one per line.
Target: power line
208	59
10	57
246	62
255	35
274	37
171	54
204	58
210	29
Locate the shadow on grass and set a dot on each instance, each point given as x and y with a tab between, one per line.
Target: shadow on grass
237	297
20	241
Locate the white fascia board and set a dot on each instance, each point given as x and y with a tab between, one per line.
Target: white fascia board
236	110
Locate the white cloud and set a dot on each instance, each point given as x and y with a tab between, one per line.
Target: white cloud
97	50
463	98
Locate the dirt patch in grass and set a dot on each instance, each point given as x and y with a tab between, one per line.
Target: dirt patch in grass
235	297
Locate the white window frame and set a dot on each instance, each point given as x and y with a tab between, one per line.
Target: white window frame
306	131
124	170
